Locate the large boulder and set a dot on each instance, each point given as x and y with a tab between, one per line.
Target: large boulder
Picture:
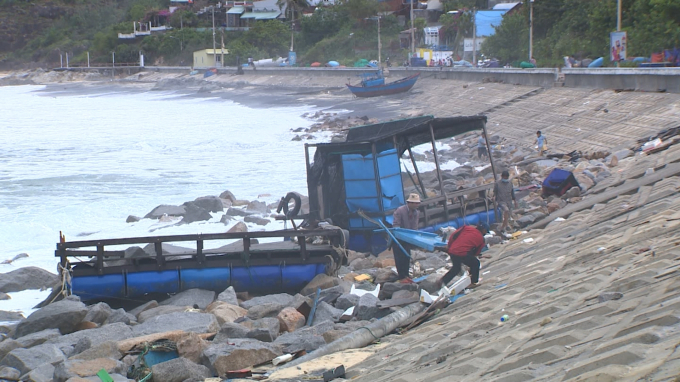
279	298
159	311
98	313
144	307
228	296
165	209
8	345
195	213
256	220
120	315
269	309
187	321
6	316
191	297
191	347
27	278
210	203
26	360
64	315
238	354
346	301
265	329
231	330
178	370
326	312
79	368
108	349
38	338
258	207
306	339
226	312
290	319
9	373
367	307
75	343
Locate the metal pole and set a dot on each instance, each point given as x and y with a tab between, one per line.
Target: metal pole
413	39
618	24
61	60
493	168
88	59
531	29
474	38
214	49
439	172
379	45
113	65
67	59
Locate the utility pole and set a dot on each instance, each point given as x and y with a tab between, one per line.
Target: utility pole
88	59
413	39
67	59
618	24
474	38
531	29
214	49
379	44
222	60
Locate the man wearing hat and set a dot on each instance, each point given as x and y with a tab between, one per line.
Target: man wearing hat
405	217
464	245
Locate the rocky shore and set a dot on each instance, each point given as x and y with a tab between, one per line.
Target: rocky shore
573	279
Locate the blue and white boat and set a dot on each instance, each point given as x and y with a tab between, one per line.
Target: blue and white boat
373	85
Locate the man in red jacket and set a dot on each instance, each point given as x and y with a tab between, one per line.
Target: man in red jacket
464	245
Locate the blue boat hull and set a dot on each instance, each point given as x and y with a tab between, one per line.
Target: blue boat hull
400	86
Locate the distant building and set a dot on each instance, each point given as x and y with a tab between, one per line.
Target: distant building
207	58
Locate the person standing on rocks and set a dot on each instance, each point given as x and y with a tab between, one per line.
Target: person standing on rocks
464	246
481	147
541	142
405	217
505	197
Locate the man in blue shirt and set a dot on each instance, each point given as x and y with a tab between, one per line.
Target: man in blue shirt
481	146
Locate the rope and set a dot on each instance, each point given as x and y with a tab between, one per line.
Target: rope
66	277
369	330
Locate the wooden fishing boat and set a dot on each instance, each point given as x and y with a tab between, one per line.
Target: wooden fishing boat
373	85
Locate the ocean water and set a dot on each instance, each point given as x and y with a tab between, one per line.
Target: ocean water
81	162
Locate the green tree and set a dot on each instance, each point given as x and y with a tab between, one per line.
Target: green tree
510	42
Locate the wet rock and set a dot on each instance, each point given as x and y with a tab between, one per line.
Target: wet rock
26	360
256	220
231	330
325	311
226	219
187	321
210	203
242	353
346	301
238	212
228	296
132	219
607	296
238	227
257	206
191	297
290	319
85	368
64	315
367	307
179	370
98	313
228	196
165	209
194	213
27	278
226	312
322	281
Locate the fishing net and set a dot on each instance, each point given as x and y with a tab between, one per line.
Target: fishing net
141	369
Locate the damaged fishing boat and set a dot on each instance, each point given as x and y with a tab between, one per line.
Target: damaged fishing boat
351	185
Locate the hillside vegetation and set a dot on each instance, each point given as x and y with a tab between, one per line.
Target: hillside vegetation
36	33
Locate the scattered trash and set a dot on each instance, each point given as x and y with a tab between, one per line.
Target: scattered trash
282	359
560	219
500	286
505	318
545	321
242	373
363	277
361	292
601	249
528	240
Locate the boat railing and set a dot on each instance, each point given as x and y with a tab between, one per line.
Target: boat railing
96	257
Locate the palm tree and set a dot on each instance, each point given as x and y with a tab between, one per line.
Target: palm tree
292	8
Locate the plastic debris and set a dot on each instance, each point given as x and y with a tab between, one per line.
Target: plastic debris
505	318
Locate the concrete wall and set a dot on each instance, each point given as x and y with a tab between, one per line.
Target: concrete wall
651	79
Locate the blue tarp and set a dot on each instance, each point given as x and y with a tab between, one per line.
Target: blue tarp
558	182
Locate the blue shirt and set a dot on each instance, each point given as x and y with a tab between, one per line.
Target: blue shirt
540	141
481	143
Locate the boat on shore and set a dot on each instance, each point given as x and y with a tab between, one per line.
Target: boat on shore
373	85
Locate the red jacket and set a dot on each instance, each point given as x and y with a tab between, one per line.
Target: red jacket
468	241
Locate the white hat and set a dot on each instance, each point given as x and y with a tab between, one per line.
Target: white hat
413	198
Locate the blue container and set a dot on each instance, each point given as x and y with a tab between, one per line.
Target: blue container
262	277
206	278
93	287
139	284
295	277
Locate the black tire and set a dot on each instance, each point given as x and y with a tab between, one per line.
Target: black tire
286	204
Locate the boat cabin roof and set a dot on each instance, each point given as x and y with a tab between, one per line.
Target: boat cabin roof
408	132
